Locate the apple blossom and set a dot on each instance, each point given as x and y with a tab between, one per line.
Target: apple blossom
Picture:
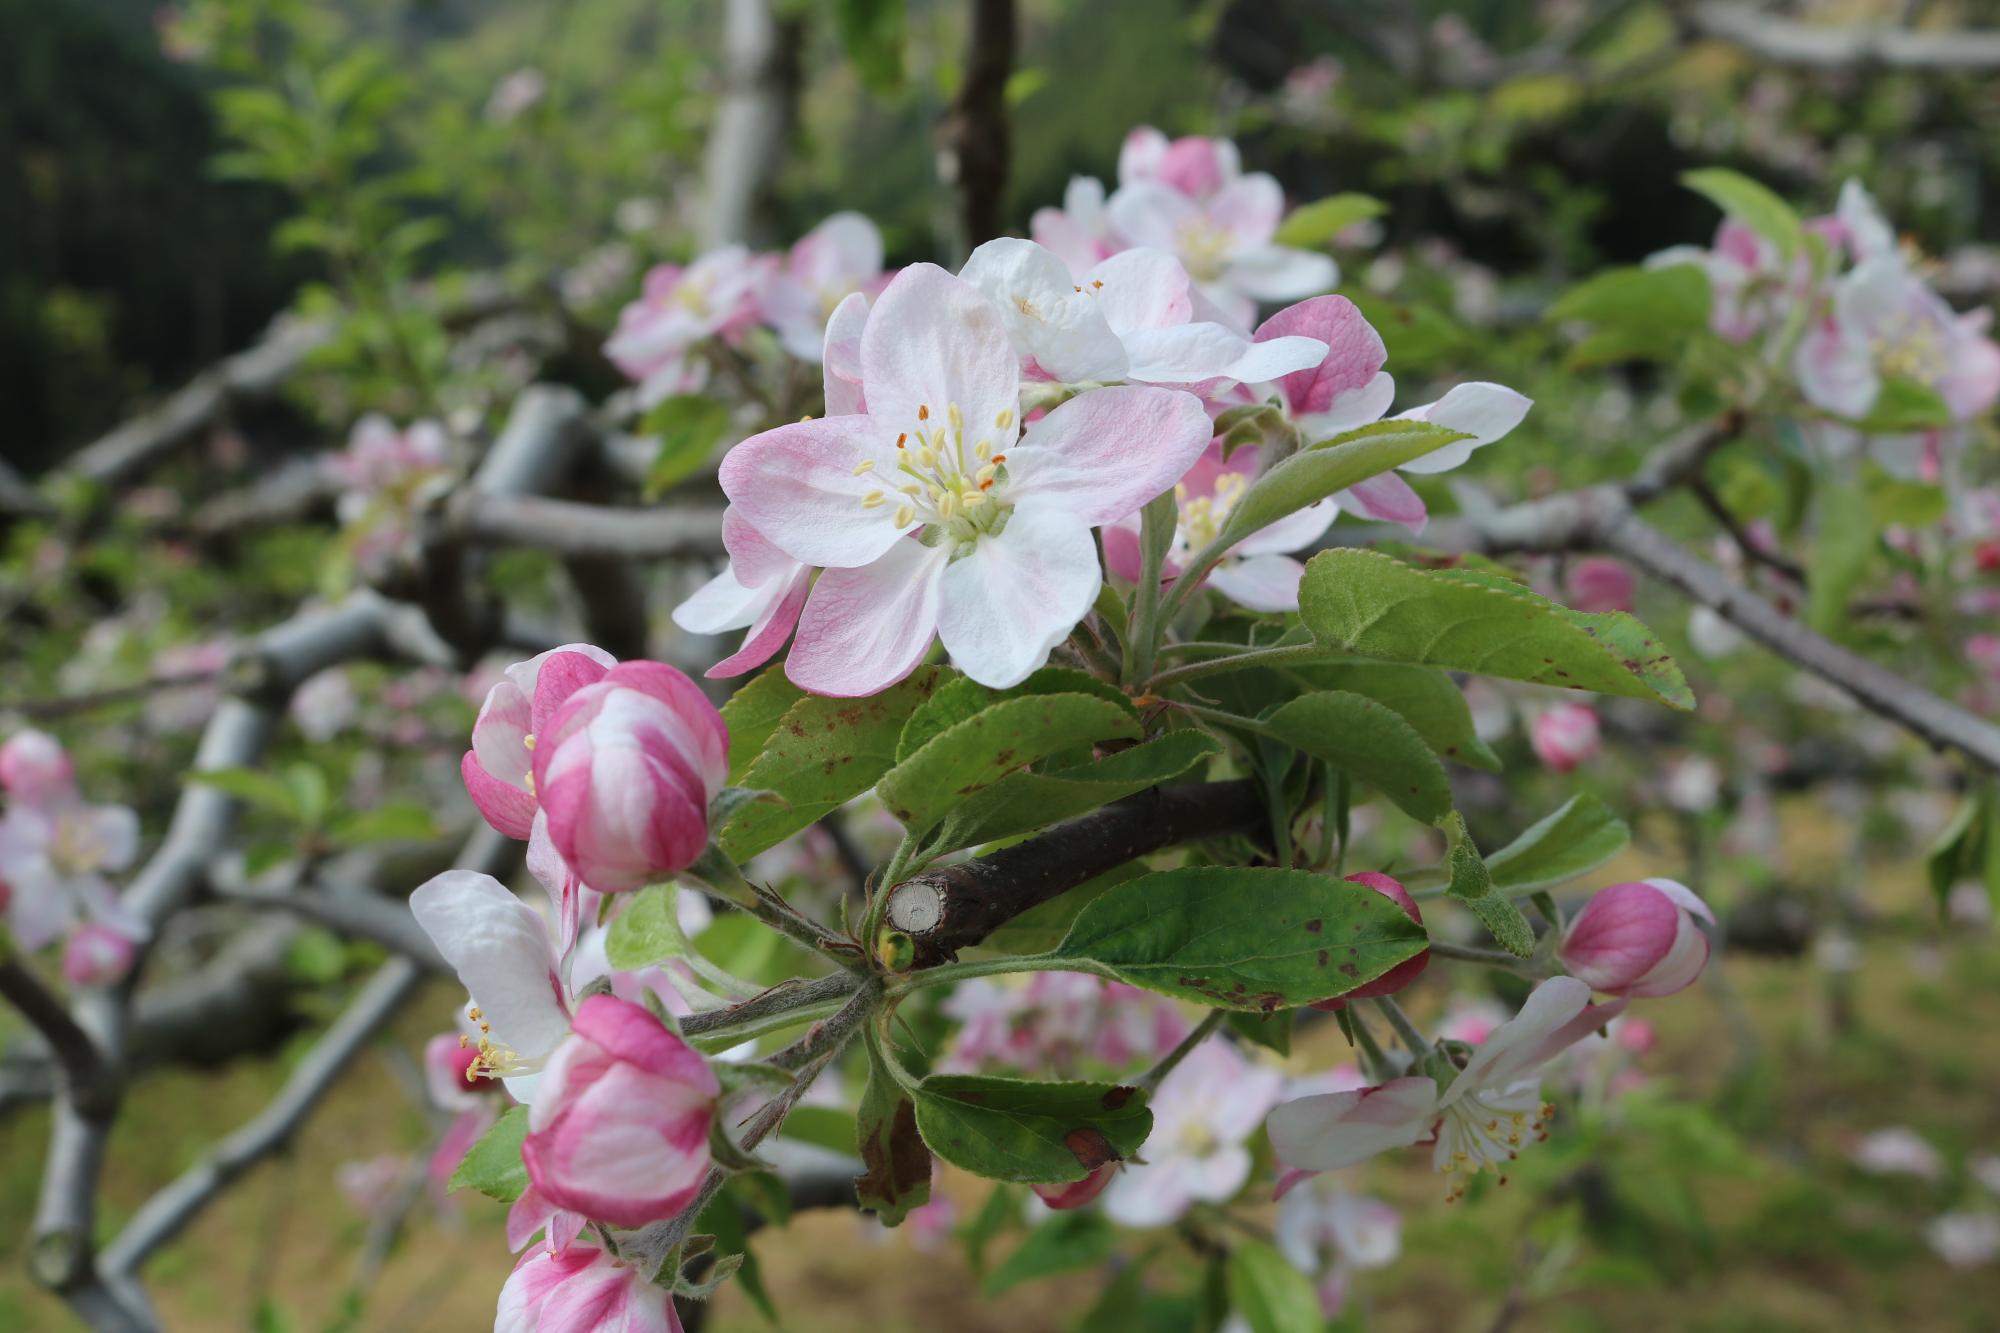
1204	1111
1078	232
1130	317
582	1289
1898	1151
1599	584
1331	1234
96	955
625	768
658	341
498	769
836	259
1058	1020
1638	939
1565	736
933	514
1965	1239
1191	199
619	1127
1482	1118
1403	973
55	849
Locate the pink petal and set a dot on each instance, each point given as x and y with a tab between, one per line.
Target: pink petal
932	342
1386	498
797	485
1105	453
865	629
562	675
508	808
1355	352
1337	1129
767	636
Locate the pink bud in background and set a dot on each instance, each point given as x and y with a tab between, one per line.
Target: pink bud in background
619	1126
1078	1192
1565	736
1638	939
625	770
96	955
1403	973
498	769
35	768
1598	584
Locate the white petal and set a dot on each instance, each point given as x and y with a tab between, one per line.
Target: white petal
1045	314
1016	596
865	629
500	948
1484	411
1260	582
1280	273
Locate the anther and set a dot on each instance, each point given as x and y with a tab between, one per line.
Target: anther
865	465
873	500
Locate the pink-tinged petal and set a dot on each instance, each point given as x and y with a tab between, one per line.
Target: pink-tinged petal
500	949
565	891
1141	155
1140	289
528	1216
840	356
1566	736
630	1149
1354	354
629	1033
1338	1129
797	485
113	831
1620	935
1386	498
1350	410
1121	551
1556	1015
1104	454
1147	213
624	802
725	603
35	768
1015	596
767	636
96	955
1599	584
756	561
1280	273
1683	897
508	808
688	714
1484	411
932	342
1836	371
1078	1192
1295	531
1250	208
863	630
106	906
1971	382
1049	318
1682	965
1198	166
1866	231
1268	583
524	675
39	909
561	676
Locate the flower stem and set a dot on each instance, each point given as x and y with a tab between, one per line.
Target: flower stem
1202	1032
1289	654
1405	1029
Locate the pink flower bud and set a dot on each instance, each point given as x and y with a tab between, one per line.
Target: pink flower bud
1638	939
1598	584
625	770
498	769
1078	1192
96	956
35	768
619	1126
581	1289
1403	973
1565	736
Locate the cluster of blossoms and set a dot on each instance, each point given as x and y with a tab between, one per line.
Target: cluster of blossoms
1967	1236
1866	318
56	850
384	473
665	340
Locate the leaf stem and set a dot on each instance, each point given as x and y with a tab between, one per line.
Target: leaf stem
1406	1030
1285	655
951	973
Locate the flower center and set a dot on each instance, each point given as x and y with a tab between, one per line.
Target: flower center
1482	1130
73	851
1909	347
1203	248
1197	1140
1202	516
940	480
492	1058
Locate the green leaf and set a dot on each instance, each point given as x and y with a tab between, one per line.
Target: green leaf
1027	1132
1042	927
1472	884
493	1165
1960	850
896	1175
403	821
1639	313
1270	1294
872	33
752	716
827	1127
1428	700
1365	604
1573	841
822	753
1329	467
648	931
723	1219
1370	741
1241	937
1066	1241
1022	802
263	791
689	425
1313	225
1417	336
961	697
1272	1031
1903	406
986	747
1750	203
1844	540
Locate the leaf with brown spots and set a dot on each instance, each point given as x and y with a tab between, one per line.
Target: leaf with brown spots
898	1174
1030	1132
